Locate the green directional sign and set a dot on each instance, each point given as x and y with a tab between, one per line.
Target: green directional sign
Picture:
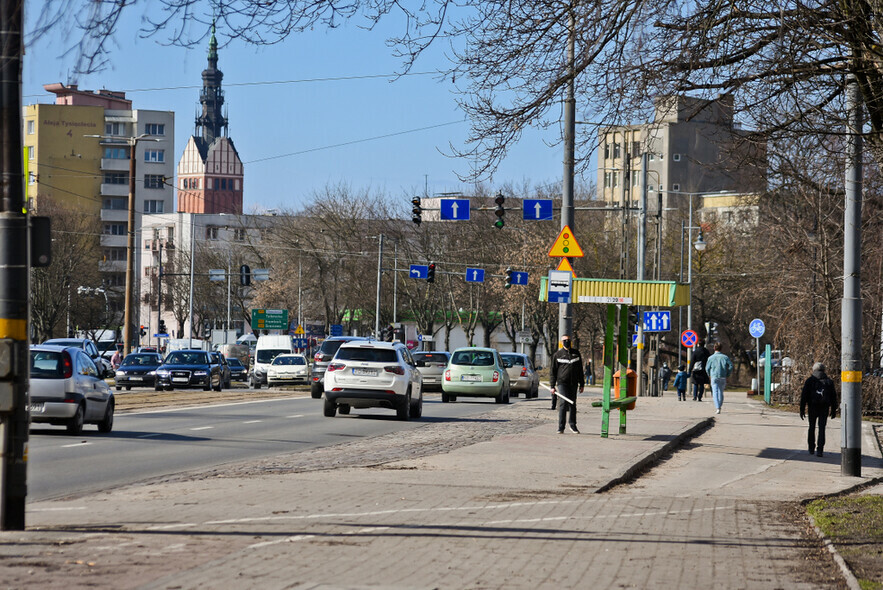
269	319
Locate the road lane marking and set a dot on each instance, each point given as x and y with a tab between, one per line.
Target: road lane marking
252	421
296	416
202	428
191	408
79	444
60	509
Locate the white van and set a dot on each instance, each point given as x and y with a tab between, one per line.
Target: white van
267	348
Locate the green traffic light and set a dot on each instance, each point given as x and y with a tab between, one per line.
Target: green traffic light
499	223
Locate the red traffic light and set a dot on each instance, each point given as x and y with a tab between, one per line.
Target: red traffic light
430	273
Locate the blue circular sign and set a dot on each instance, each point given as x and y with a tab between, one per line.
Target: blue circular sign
756	328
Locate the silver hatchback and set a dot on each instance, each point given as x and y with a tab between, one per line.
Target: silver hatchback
433	369
523	376
66	390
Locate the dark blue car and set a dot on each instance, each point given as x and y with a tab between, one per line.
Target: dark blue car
188	368
138	369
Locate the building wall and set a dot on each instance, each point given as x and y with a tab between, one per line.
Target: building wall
213	185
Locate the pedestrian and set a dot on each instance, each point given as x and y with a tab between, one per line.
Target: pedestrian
116	359
566	380
819	394
589	373
719	367
681	383
697	371
665	375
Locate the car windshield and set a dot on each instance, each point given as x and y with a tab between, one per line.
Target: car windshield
234	363
140	360
431	357
512	360
187	358
47	365
266	355
473	358
373	355
289	360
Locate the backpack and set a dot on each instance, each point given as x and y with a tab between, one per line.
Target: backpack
697	367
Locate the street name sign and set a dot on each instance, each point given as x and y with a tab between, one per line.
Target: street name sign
418	271
454	209
474	275
536	209
269	319
657	321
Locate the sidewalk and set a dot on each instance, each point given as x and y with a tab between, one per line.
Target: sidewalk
521	510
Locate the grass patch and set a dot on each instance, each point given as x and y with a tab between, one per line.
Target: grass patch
855	526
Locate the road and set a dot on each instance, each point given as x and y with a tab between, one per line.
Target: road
151	444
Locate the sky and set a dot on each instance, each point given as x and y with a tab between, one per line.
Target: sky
364	129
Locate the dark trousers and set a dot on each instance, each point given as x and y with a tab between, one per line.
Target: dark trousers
564	406
820	414
698	390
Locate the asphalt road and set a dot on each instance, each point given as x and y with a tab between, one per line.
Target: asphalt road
151	444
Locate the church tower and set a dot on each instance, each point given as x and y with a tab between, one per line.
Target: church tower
210	173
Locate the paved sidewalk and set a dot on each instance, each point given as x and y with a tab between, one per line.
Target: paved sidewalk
517	511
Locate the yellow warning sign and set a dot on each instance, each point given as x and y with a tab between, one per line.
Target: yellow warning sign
565	265
299	330
566	245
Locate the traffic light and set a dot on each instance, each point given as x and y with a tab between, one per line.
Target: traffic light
244	275
508	278
417	211
162	327
430	273
499	212
143	332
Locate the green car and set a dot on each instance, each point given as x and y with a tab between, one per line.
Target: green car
475	372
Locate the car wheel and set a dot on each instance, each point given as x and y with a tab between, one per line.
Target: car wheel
330	409
535	392
417	409
128	388
453	398
119	387
445	398
220	384
344	409
506	397
208	385
403	412
157	387
75	425
106	424
316	390
228	384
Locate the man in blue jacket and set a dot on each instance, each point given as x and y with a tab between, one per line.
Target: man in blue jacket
718	366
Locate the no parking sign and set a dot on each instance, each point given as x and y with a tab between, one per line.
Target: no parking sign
689	338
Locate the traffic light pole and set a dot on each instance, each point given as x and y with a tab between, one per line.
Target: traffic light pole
565	310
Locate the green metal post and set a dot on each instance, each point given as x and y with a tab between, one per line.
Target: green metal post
767	375
608	369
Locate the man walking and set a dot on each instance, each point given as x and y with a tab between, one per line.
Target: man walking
819	394
718	366
697	371
566	379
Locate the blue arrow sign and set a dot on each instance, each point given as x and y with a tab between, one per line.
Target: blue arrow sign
756	328
519	278
657	321
300	342
536	209
419	271
474	275
454	209
635	340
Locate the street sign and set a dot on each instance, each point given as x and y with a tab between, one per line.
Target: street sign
300	342
635	340
419	271
454	209
524	337
474	275
657	321
260	274
217	274
519	278
422	338
756	328
559	286
299	330
565	265
566	245
536	209
269	319
689	338
337	329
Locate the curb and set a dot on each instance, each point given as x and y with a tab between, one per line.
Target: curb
849	577
631	472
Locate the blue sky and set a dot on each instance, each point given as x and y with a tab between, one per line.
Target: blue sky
269	121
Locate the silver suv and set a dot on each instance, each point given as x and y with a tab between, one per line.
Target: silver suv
323	356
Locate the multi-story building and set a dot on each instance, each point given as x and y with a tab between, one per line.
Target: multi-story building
693	146
79	154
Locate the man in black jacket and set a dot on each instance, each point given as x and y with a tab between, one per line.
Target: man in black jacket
697	371
819	394
566	379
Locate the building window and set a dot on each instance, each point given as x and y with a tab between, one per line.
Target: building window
606	151
116	153
615	179
116	178
636	149
170	235
114	254
32	178
616	151
676	157
650	188
116	279
190	183
239	234
635	177
115	203
30	152
30	127
154	155
117	129
153	206
675	187
211	232
606	180
651	156
236	187
153	181
115	229
155	129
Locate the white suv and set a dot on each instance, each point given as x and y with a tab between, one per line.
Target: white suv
373	374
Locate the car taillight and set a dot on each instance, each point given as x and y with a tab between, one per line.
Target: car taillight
336	367
318	357
448	375
496	376
394	369
67	365
524	371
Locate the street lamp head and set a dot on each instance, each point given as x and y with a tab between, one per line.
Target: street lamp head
700	243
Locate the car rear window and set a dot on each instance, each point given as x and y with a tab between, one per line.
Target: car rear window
473	358
234	363
431	357
289	360
372	355
187	358
513	360
266	355
330	346
47	365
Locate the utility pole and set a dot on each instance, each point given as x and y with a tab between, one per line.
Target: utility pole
565	310
14	283
379	276
641	255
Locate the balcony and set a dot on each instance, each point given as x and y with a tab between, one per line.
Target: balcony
115	164
114	190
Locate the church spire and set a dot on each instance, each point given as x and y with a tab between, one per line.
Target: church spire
211	123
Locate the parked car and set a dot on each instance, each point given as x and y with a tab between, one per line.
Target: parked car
288	369
321	359
268	348
523	376
188	368
66	389
373	374
476	372
434	363
88	346
138	369
226	375
238	371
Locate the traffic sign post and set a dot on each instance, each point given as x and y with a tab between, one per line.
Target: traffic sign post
474	275
536	210
657	321
519	278
756	328
418	271
559	286
689	338
454	209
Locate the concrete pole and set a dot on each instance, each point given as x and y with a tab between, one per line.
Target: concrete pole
192	262
851	311
565	310
130	253
642	252
379	276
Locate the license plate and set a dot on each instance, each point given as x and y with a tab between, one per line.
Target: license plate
180	379
470	377
36	407
136	378
365	372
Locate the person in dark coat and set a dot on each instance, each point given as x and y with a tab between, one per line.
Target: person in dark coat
697	371
819	395
566	379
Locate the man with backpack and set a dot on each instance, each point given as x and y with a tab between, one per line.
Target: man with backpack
697	371
820	396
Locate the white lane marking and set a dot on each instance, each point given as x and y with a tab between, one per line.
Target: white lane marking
277	541
79	444
252	421
202	428
190	408
151	435
296	416
59	509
